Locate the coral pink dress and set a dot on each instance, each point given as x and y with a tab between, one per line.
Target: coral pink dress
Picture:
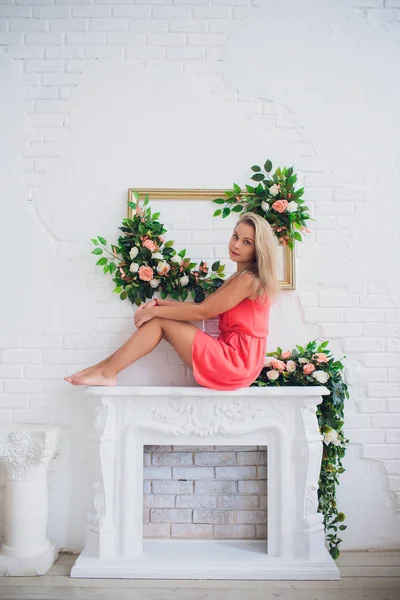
233	360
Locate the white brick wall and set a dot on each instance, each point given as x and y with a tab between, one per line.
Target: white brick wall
205	492
50	46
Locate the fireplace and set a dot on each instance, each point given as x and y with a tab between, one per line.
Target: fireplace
126	419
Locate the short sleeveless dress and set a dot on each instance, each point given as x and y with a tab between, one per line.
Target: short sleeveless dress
235	359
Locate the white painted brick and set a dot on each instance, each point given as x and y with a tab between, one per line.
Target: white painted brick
173	458
363	315
45	371
191	531
22	356
46	401
11	371
252	487
159	501
323	314
10	340
57	134
108	25
393	345
171	12
215	458
14	400
6	416
340	330
167	39
393	437
376	301
68	25
183	25
51	12
144	52
169	515
34	416
358	436
235	473
215	487
10	38
234	531
386	421
14	11
383	390
381	451
358	421
196	501
64	52
84	39
91	11
44	39
25	52
103	52
148	25
28	25
46	65
124	38
193	473
161	530
381	330
156	473
172	487
251	458
373	405
392	467
217	517
234	502
365	375
342	300
249	517
393	405
363	345
42	149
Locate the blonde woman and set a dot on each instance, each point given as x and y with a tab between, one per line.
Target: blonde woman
242	303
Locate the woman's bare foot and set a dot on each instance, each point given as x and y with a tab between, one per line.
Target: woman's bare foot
95	376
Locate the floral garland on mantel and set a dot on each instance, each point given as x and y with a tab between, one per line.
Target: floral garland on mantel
314	365
142	262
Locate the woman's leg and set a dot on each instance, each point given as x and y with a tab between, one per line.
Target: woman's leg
179	334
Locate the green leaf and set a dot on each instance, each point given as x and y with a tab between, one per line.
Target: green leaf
297	236
102	261
169	244
258	177
215	265
237	208
268	166
237	188
132	205
106	269
182	253
95	241
138	301
117	290
226	212
219	201
123	295
250	189
102	240
97	251
156	215
217	212
255	168
113	266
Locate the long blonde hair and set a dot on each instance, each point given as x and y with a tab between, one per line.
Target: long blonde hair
264	266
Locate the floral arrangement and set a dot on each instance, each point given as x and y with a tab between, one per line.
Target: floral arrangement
143	262
275	198
314	365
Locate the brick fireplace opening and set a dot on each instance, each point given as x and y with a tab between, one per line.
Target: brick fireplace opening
205	492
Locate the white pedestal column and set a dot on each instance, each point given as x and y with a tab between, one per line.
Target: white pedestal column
27	451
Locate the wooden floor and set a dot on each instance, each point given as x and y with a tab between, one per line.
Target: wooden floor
364	576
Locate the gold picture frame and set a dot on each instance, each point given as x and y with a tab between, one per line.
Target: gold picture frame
287	279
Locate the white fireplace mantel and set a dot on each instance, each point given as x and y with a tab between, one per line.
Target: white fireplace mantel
126	418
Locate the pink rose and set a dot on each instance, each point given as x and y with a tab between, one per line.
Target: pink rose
145	273
308	369
268	360
321	357
278	365
280	205
286	354
150	245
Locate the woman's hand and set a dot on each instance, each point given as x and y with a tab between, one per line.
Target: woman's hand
144	315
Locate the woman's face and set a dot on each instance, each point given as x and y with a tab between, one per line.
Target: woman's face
241	245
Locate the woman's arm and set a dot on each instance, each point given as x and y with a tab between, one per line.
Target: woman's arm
238	289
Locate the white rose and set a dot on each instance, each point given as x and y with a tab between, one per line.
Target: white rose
274	189
163	268
265	206
291	366
184	280
331	437
320	376
154	283
268	360
134	267
272	374
303	360
133	253
176	258
158	256
292	206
